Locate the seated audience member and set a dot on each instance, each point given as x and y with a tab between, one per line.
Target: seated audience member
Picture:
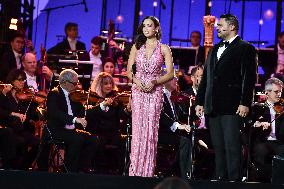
268	130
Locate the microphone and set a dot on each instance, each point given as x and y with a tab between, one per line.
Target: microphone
85	5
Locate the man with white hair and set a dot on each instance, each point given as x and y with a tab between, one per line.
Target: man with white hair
63	117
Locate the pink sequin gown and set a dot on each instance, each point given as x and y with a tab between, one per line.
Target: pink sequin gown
146	109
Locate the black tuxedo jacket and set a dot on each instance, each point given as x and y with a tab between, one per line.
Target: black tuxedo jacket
260	112
57	109
7	63
167	117
229	81
63	47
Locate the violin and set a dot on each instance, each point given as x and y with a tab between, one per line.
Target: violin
92	97
84	96
30	95
279	106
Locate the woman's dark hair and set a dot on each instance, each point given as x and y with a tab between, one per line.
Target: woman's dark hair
141	38
108	59
15	74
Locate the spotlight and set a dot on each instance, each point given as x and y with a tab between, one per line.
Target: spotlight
13	24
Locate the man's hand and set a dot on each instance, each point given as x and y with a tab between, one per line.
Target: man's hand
184	127
242	110
81	121
7	88
22	117
199	110
47	73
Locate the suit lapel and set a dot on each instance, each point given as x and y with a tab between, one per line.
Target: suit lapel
229	48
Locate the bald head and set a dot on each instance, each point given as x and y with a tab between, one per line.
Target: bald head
29	63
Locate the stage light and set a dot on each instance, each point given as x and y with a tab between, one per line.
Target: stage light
210	4
268	14
119	19
13	24
140	13
155	4
260	22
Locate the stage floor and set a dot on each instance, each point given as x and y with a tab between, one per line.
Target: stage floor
44	180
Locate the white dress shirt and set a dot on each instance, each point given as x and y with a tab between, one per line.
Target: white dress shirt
18	59
70	112
97	64
272	115
72	43
31	82
280	53
223	48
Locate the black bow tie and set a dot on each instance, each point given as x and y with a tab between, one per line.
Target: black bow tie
226	43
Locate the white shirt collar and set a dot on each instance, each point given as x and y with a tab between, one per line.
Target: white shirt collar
66	93
94	56
232	39
71	40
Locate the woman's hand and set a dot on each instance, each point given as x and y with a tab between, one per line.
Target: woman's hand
148	88
140	85
107	102
7	88
22	117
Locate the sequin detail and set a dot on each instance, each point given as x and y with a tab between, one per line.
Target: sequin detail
146	109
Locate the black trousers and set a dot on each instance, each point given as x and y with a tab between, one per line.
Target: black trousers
7	147
262	156
183	144
80	149
226	141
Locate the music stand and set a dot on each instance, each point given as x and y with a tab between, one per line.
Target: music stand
83	68
184	57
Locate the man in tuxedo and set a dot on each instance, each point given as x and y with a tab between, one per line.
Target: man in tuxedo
63	117
268	130
70	43
225	94
33	78
11	58
195	39
169	126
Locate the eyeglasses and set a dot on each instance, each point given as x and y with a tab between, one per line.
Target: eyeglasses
276	92
21	79
73	83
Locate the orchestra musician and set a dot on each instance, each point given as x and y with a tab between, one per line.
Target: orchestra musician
11	58
268	130
64	115
105	118
169	125
19	115
70	42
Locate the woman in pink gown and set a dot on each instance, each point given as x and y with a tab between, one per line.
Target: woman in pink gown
145	70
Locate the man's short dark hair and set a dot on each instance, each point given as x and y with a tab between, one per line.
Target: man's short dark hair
14	35
281	34
198	32
70	25
97	41
231	20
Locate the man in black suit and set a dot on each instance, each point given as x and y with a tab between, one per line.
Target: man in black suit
195	39
63	117
268	131
169	124
11	57
70	42
225	95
